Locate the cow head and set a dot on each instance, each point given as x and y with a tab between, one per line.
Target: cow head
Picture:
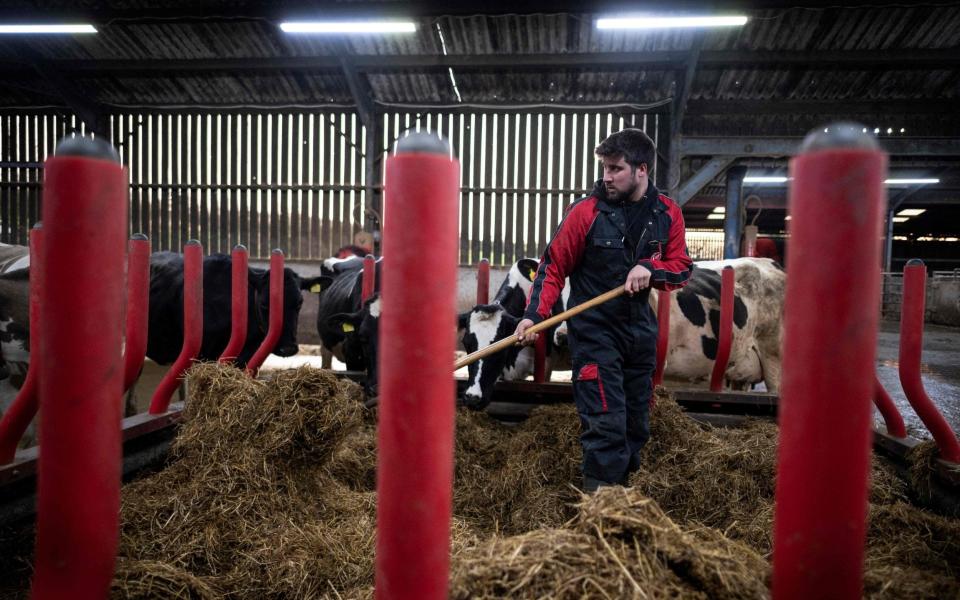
484	325
361	337
515	288
293	285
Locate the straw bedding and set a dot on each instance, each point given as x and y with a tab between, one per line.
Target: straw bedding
270	493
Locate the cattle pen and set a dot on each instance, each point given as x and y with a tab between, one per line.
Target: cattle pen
155	442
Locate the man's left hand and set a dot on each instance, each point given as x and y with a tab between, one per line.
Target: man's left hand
637	279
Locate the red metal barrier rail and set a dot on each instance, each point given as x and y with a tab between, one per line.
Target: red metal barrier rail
24	407
663	334
483	282
239	282
369	282
138	308
828	366
415	446
78	487
725	336
276	314
888	410
911	345
540	358
192	326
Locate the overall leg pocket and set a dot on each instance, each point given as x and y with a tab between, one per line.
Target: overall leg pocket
589	387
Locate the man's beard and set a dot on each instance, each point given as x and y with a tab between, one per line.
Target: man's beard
618	196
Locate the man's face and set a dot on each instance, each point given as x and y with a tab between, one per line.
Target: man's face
621	180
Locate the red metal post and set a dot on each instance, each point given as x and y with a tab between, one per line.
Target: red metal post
369	282
78	486
911	345
238	304
138	307
24	407
276	314
483	282
415	462
891	416
192	326
540	358
725	338
828	366
663	334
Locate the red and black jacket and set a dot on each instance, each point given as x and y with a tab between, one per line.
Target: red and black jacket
591	247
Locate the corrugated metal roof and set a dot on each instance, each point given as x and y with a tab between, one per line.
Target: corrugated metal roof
792	29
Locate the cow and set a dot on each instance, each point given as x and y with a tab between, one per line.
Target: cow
340	313
165	333
486	324
14	326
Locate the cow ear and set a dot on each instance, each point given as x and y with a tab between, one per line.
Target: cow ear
315	285
463	319
528	267
345	322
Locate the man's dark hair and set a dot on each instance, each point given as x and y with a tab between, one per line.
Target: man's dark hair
632	144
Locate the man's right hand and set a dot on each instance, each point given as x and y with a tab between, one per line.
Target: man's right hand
525	339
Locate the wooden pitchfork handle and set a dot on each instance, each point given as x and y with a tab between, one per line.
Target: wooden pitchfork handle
545	324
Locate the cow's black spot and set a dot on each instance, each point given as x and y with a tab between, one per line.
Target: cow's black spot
709	347
691	307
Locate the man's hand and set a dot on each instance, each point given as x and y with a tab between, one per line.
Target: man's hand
637	279
526	339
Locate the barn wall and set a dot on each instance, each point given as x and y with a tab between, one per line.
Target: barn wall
296	179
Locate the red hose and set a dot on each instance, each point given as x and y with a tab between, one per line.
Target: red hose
276	314
415	447
829	348
138	307
369	282
238	304
24	407
725	338
483	282
192	326
663	334
81	370
891	416
911	345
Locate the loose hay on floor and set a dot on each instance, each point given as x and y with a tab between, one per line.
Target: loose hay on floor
270	493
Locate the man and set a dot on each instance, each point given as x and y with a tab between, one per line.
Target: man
625	233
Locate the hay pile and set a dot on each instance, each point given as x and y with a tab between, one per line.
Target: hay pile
270	492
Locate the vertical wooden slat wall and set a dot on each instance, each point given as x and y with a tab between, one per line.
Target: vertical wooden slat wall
295	180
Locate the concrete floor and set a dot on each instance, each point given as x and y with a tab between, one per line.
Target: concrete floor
939	369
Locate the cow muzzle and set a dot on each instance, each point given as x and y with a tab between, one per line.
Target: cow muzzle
286	350
474	402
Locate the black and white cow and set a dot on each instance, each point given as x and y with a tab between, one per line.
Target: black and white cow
340	314
14	326
486	324
165	335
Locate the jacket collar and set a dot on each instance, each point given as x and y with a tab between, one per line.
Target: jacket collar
608	206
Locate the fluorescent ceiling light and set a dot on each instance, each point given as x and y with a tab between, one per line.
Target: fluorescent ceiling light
668	22
911	181
911	212
715	216
348	27
49	28
765	179
900	219
720	209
